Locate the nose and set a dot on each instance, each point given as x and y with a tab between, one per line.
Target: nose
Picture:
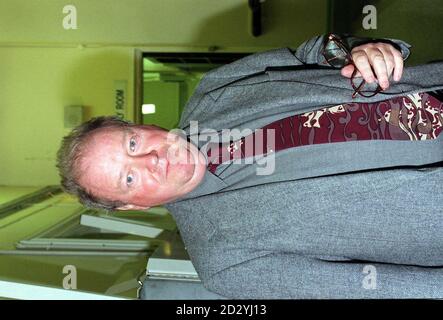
154	161
150	160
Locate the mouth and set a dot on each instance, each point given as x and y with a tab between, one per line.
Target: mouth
166	167
182	158
192	160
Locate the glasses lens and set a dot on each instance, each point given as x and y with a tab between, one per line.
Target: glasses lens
335	54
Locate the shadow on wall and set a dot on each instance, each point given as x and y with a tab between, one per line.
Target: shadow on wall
289	23
284	24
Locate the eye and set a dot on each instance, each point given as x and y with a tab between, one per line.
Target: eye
129	179
132	144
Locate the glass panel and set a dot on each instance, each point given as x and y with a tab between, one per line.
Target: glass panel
8	194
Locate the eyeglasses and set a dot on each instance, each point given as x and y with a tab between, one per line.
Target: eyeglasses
337	55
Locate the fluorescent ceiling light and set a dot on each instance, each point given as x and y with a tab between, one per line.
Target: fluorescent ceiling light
148	108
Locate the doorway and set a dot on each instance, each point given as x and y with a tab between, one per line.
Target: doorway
166	81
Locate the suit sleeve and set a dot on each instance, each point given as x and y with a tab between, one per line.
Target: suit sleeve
288	275
310	51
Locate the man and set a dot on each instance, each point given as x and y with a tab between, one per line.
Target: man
350	214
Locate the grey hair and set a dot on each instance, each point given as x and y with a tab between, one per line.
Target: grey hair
72	151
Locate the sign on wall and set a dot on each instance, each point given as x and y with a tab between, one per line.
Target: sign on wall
120	94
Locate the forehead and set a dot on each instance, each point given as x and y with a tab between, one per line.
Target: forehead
102	160
106	134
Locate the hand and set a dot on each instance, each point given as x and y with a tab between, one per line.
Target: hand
382	57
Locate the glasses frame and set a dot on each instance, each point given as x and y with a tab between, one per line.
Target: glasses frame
347	59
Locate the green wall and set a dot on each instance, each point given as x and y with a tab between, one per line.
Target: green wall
36	85
161	22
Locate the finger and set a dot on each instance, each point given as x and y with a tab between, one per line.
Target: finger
347	70
389	58
379	64
362	64
398	69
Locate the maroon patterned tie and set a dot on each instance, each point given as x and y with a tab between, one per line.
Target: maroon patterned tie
412	117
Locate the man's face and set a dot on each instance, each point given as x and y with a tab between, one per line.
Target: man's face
142	166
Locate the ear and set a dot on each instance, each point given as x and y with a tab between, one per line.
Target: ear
132	207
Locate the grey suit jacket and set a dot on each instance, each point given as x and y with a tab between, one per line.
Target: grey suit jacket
320	226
